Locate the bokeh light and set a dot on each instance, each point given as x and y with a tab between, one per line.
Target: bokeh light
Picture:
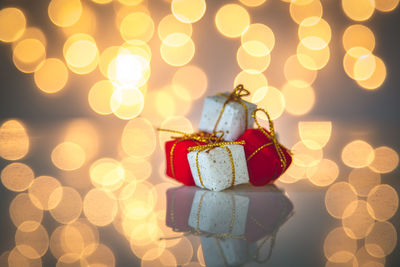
318	132
64	13
258	40
300	10
190	82
16	259
323	174
107	173
17	176
12	24
232	20
386	160
296	73
273	102
188	11
383	202
100	207
377	77
28	54
364	258
138	138
313	59
314	33
304	156
177	56
338	197
51	76
68	156
386	5
32	244
14	140
357	223
170	25
363	180
137	26
99	97
253	82
127	103
70	206
358	35
24	214
41	192
358	10
87	22
299	99
382	239
358	154
338	247
252	64
140	168
252	3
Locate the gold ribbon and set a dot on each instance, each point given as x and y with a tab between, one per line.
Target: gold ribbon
271	136
211	146
235	96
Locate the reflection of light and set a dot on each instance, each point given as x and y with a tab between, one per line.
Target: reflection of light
70	207
128	70
323	174
357	222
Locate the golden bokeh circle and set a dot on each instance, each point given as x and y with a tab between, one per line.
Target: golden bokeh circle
188	11
232	20
382	240
100	207
337	199
17	176
64	13
383	202
12	24
14	140
358	154
386	160
68	156
358	35
363	180
51	76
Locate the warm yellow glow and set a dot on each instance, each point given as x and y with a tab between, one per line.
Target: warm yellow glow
14	140
137	26
165	259
251	81
358	154
357	222
258	39
337	199
127	103
40	191
178	123
28	54
313	59
106	57
273	102
188	11
86	23
177	56
68	156
383	202
252	64
363	180
130	2
170	25
252	3
101	256
319	132
386	160
314	33
338	247
80	53
141	203
64	13
382	240
32	33
70	207
100	207
102	1
107	173
159	105
190	82
295	72
51	76
358	10
358	35
16	259
100	97
139	138
299	98
24	214
232	20
366	259
386	5
139	168
300	11
323	174
377	78
12	24
303	156
183	251
17	177
33	244
259	94
359	63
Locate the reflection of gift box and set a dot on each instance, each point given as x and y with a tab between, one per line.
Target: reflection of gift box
227	113
179	204
219	167
225	252
219	213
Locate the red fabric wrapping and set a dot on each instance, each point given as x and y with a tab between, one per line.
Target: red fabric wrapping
180	161
179	205
265	166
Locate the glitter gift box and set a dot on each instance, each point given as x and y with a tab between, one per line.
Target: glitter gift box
228	113
218	166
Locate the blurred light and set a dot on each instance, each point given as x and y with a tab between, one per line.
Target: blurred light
188	11
361	56
377	78
364	67
252	64
338	247
128	103
358	154
382	240
33	244
141	203
303	156
68	156
70	207
64	13
273	102
86	23
40	191
323	174
106	57
295	72
314	33
169	25
313	59
140	168
102	2
386	160
190	82
252	3
319	132
28	54
14	140
51	76
232	20
16	259
363	180
138	138
337	199
137	26
183	251
107	173
293	174
165	259
383	202
17	176
260	94
299	98
258	39
252	82
130	2
300	10
358	35
178	123
357	223
100	97
177	56
102	256
100	207
386	5
364	258
32	33
358	10
24	214
200	256
12	24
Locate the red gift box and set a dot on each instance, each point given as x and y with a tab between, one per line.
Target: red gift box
179	205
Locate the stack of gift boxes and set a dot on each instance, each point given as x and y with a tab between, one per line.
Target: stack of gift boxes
227	151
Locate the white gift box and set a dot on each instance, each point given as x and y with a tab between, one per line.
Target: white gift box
220	213
233	118
215	167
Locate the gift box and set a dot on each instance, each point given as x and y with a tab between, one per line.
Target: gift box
219	213
179	205
266	158
228	113
218	166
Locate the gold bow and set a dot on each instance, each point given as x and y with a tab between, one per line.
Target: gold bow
235	96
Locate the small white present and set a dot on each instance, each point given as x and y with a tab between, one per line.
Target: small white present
228	113
218	166
221	213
